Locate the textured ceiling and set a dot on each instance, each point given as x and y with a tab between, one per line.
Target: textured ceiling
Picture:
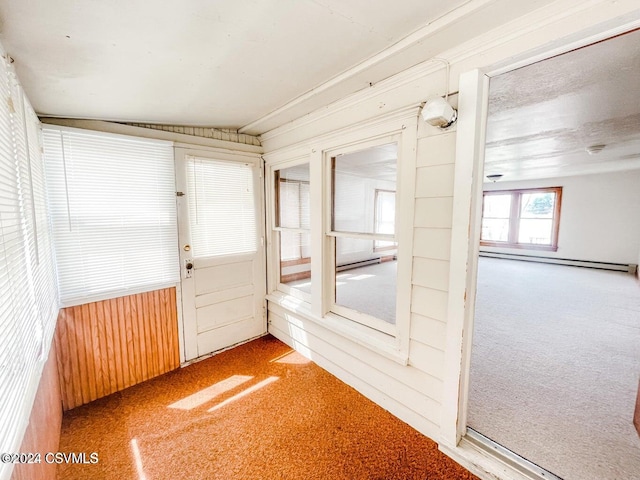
542	117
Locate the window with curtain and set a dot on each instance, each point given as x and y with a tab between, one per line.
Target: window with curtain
113	214
28	294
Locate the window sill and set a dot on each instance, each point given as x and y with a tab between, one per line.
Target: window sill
74	302
378	342
519	246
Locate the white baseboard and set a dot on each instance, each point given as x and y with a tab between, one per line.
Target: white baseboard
620	267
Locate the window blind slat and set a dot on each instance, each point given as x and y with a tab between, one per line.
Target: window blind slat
113	210
221	193
27	283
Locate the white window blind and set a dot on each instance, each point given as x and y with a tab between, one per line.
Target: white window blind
385	216
113	211
221	194
45	282
28	299
294	212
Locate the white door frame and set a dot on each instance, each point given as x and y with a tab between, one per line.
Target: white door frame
180	152
469	165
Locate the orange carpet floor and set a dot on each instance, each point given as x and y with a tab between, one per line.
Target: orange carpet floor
259	411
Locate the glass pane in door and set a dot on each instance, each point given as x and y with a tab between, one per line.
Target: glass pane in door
222	212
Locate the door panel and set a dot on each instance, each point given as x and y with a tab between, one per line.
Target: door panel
221	249
213	279
224	313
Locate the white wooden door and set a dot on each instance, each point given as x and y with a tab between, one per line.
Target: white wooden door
221	235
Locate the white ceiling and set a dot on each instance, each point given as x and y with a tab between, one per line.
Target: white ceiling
377	163
225	63
542	117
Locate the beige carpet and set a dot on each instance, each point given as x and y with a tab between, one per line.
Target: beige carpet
555	366
257	412
367	289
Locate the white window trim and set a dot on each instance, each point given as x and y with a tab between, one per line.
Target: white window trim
273	277
330	305
402	124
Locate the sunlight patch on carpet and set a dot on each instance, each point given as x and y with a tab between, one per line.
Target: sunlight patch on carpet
207	394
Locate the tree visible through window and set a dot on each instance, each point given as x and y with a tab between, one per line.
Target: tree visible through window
521	218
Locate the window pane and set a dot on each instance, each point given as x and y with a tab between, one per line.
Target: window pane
495	229
292	190
295	260
497	206
537	205
536	231
221	194
112	202
363	282
292	200
357	177
385	217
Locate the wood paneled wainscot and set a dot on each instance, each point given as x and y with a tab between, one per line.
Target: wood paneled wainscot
104	347
43	433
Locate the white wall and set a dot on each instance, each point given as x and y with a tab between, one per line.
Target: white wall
599	218
416	392
410	391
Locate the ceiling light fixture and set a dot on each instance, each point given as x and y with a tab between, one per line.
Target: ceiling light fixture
595	149
494	177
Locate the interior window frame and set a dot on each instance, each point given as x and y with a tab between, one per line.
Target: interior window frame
276	230
331	235
400	127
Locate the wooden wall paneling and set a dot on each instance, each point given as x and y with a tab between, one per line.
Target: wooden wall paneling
104	347
174	339
138	318
167	354
88	353
43	432
116	329
148	360
139	348
96	367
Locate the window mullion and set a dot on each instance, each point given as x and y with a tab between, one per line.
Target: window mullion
514	218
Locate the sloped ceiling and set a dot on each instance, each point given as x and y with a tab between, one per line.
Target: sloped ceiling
254	63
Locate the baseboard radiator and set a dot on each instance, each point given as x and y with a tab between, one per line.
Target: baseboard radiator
620	267
360	263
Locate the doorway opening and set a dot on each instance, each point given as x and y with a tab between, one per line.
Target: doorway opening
555	359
